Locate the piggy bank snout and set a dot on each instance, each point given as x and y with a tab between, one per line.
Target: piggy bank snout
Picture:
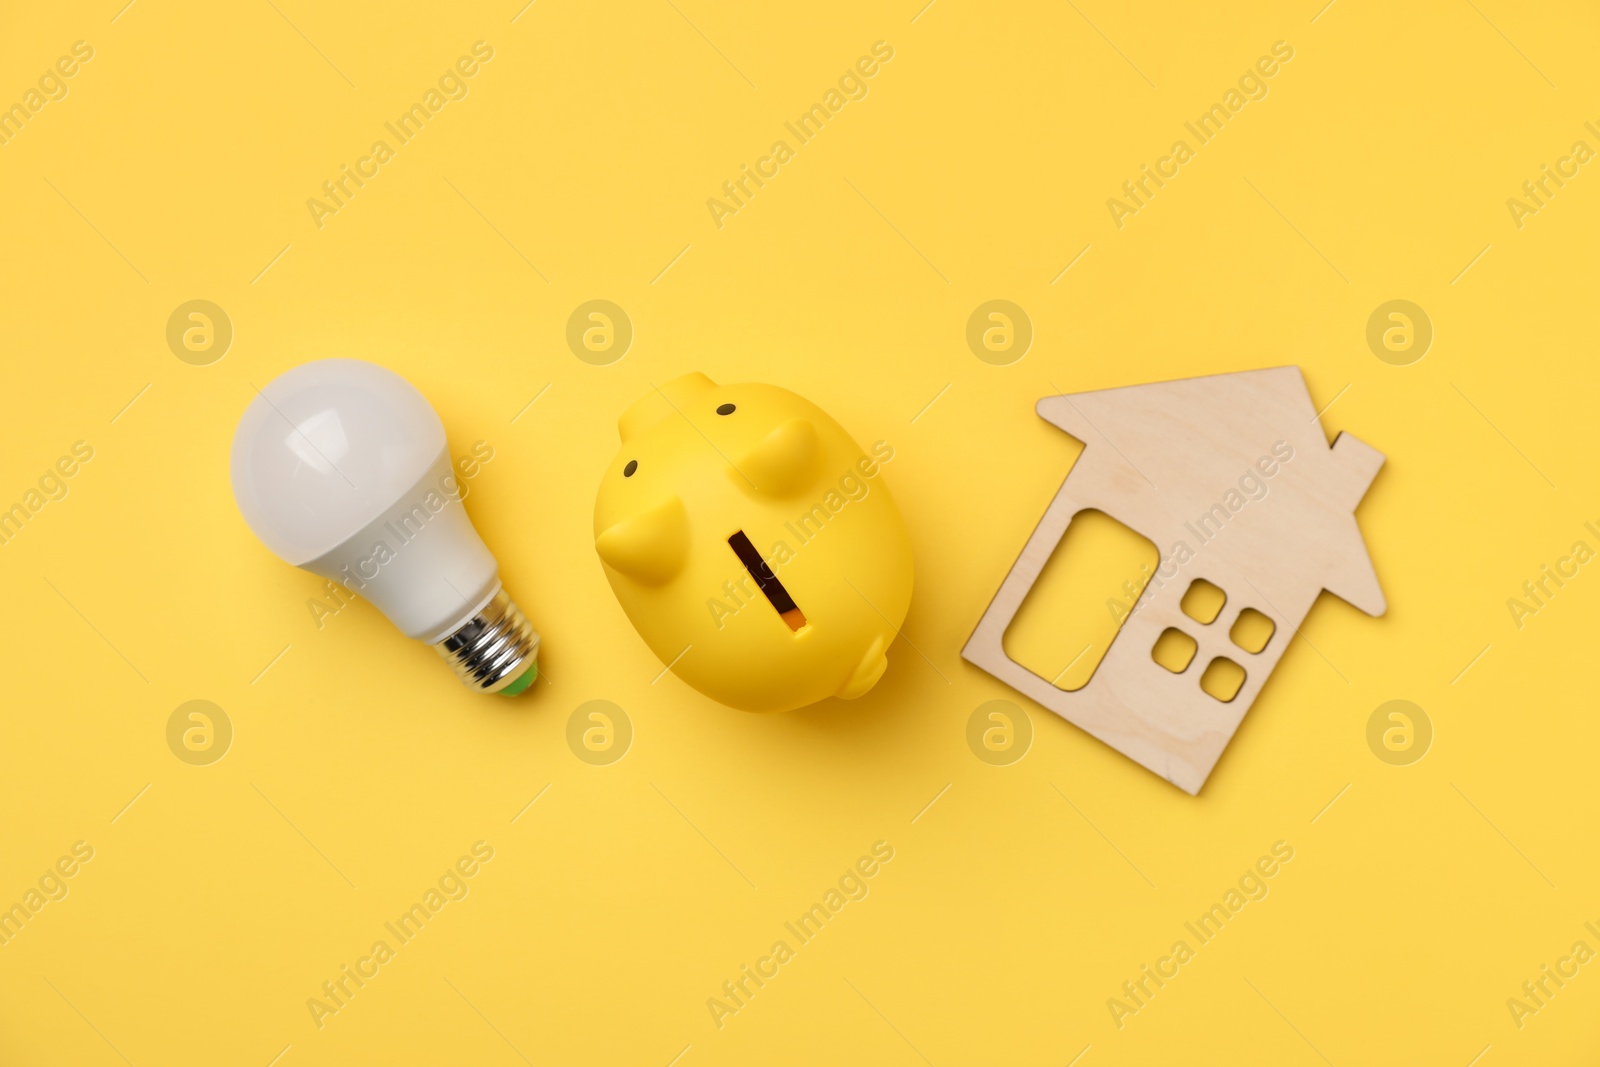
649	546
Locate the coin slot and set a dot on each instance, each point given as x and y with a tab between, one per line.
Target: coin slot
766	581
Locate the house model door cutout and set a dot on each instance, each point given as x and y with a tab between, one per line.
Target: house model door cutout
1232	478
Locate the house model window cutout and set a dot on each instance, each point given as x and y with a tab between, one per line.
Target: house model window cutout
1233	480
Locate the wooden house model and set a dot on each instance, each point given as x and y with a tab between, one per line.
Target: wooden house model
1181	463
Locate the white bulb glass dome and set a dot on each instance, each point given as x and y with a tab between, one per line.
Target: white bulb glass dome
324	448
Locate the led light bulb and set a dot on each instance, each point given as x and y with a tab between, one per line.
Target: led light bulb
341	468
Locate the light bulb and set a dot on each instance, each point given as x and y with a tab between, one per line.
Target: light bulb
341	467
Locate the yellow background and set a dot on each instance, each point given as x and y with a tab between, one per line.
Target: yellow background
979	166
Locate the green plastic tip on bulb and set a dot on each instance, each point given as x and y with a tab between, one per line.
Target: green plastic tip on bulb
521	683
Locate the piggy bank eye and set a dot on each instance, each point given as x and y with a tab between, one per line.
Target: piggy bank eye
633	465
726	409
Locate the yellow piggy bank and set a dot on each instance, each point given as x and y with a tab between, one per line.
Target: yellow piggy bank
753	544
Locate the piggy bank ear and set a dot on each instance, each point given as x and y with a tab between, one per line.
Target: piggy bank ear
649	547
782	462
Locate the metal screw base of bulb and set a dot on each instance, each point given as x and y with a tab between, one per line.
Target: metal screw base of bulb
493	648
